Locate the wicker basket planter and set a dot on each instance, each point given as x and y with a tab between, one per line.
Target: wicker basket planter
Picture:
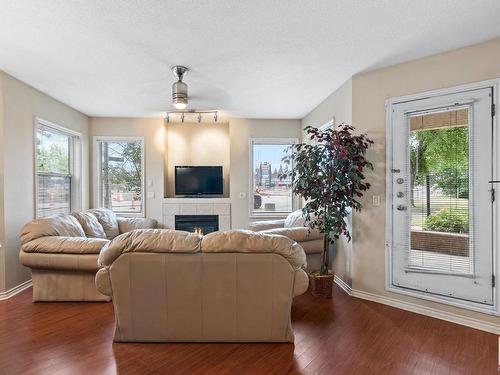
321	285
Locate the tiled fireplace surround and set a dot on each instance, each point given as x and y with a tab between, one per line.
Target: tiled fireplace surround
197	206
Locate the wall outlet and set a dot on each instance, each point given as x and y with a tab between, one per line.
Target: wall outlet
243	195
376	200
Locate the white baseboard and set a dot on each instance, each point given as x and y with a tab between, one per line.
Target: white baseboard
17	289
423	310
342	284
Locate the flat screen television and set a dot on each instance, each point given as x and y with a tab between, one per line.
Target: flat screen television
198	180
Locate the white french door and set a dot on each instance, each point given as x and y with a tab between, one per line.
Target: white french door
442	210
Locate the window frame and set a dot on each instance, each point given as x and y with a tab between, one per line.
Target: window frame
75	163
97	193
295	202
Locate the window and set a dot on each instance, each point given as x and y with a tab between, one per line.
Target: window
270	191
120	175
56	183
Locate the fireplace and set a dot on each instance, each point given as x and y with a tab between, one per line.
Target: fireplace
201	224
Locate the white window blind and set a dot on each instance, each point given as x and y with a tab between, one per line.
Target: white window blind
440	188
54	170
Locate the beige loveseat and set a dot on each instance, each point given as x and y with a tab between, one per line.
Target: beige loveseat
62	252
174	286
294	227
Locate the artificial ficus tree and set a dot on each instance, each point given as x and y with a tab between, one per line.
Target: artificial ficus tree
328	174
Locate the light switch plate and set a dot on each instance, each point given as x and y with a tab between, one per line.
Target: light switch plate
243	195
151	194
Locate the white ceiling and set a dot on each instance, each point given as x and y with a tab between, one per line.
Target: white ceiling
259	58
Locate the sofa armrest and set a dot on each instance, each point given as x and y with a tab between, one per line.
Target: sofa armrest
103	282
65	245
257	226
127	224
299	234
300	282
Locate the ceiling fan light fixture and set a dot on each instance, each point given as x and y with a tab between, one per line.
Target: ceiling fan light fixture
179	88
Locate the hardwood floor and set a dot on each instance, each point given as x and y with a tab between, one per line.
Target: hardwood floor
340	336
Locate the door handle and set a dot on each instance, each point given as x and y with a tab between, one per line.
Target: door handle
401	208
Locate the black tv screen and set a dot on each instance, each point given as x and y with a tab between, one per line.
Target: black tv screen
191	180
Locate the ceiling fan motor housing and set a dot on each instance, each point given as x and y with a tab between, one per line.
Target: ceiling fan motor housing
179	88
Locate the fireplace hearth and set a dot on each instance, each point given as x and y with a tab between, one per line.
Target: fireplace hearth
201	224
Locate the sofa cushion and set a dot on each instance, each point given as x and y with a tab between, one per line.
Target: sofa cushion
56	225
127	224
90	224
245	241
295	219
65	245
108	220
150	241
299	234
68	262
259	226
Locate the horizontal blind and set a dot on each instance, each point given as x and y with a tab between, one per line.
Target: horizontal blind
440	188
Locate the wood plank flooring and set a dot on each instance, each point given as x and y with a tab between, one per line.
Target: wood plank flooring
344	335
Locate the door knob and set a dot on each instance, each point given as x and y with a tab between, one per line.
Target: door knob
401	208
400	180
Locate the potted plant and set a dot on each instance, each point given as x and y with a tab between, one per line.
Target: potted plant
328	174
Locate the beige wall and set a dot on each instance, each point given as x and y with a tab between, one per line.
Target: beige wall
337	105
2	229
152	131
196	144
241	130
370	91
22	104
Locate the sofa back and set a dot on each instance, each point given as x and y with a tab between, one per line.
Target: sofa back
233	286
189	297
94	223
55	225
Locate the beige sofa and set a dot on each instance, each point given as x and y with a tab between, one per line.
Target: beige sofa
62	252
294	227
173	286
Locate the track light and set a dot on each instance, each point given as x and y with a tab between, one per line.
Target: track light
184	116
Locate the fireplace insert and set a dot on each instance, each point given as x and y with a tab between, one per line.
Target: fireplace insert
201	224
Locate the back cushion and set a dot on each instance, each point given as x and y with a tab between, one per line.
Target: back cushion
56	225
246	241
90	224
108	220
295	219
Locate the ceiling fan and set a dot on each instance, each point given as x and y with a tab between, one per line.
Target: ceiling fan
180	98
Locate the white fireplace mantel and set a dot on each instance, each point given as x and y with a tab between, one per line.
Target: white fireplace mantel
197	206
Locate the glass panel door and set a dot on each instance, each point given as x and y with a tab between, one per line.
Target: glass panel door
442	211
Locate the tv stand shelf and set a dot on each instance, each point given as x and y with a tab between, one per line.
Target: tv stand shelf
196	200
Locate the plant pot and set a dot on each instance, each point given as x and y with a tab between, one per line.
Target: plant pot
321	285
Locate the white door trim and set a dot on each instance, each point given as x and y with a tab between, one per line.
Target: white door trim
495	309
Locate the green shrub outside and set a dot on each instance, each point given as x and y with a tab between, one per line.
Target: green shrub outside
448	220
